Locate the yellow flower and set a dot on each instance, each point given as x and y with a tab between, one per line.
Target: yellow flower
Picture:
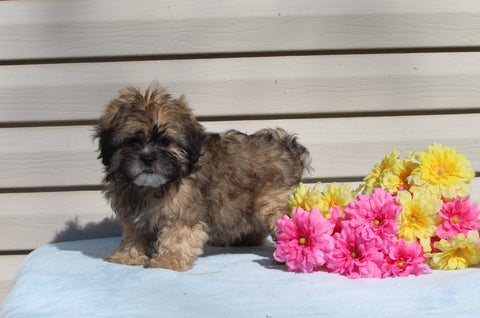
297	199
312	198
372	180
460	253
396	175
419	217
444	170
334	194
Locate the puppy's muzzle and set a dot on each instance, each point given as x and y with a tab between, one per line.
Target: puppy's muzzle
153	168
148	160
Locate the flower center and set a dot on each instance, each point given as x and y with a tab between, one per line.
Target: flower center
302	241
455	220
376	222
354	254
440	171
400	264
458	252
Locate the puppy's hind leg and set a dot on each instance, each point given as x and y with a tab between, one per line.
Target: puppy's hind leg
271	206
134	247
179	244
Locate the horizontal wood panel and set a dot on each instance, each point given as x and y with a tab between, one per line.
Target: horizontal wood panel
249	86
54	28
53	156
340	147
30	220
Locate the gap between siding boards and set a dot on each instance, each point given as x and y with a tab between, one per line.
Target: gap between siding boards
93	122
78	188
246	54
14	252
101	187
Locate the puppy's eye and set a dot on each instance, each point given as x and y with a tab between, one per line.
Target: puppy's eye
163	142
133	142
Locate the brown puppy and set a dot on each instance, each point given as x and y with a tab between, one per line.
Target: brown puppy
175	187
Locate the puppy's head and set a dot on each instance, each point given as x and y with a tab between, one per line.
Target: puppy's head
148	138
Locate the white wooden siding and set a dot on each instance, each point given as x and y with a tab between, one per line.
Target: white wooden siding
246	86
30	220
340	104
340	147
59	29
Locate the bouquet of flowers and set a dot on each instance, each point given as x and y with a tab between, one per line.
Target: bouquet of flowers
409	216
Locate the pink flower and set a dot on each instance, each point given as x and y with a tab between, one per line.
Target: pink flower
336	217
355	257
403	260
459	216
374	215
303	241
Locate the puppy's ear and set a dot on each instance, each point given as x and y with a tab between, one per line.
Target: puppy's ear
195	133
195	140
105	132
105	145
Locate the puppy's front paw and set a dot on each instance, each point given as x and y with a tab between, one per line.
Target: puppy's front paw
127	257
170	261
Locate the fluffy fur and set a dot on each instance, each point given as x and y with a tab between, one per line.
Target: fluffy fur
175	187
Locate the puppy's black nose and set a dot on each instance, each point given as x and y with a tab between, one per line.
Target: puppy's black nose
147	159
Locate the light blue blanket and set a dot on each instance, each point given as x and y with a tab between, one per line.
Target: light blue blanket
71	280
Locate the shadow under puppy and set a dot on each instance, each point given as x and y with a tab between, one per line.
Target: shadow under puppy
175	187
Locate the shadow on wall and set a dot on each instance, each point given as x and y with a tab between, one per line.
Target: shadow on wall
74	231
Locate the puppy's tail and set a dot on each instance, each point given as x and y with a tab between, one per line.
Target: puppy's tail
299	153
